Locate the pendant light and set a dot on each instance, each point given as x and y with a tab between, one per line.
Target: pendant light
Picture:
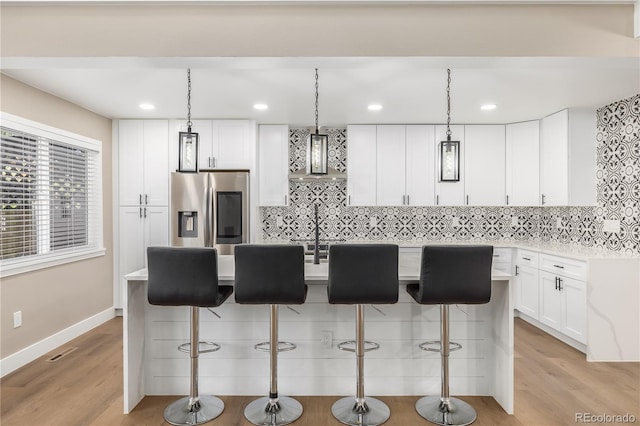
317	146
449	150
188	141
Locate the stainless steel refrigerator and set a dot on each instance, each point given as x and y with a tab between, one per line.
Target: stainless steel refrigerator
210	209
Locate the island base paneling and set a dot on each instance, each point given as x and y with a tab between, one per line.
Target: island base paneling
484	366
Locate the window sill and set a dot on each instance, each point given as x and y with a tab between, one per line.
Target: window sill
20	266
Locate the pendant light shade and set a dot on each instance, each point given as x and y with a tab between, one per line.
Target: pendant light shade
317	146
449	149
188	141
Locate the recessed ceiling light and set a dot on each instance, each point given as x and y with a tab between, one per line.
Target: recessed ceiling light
146	106
260	106
488	107
374	107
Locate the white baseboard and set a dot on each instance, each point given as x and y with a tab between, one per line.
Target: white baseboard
35	351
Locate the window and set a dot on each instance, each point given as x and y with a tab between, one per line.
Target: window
50	196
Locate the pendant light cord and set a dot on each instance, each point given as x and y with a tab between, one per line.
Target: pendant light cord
448	104
317	132
189	123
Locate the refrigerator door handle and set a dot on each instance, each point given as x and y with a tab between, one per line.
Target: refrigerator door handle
213	218
207	214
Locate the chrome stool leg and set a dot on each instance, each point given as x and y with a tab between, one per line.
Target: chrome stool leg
273	410
194	409
443	409
360	411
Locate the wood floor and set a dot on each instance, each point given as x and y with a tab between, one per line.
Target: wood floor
553	383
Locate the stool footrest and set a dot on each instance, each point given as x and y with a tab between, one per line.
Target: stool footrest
282	346
368	346
186	347
427	346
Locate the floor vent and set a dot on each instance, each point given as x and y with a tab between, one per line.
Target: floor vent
62	354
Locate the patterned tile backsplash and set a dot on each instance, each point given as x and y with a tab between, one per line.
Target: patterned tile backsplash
618	187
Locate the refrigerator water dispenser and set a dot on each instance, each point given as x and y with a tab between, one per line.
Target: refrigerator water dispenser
188	224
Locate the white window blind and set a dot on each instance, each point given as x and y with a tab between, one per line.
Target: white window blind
50	196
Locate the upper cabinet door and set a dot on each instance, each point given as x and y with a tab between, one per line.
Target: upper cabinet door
522	161
156	162
390	166
143	162
420	165
273	148
450	193
130	152
233	144
554	165
361	165
485	165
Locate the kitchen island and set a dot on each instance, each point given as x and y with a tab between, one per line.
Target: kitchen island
484	366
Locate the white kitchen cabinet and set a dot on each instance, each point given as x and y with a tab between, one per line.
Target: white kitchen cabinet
484	165
450	193
420	165
563	303
140	227
143	162
224	144
390	166
568	158
502	259
527	283
361	165
523	163
273	154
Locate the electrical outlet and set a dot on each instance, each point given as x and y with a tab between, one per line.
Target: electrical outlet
514	221
455	222
279	221
558	222
612	226
17	319
373	222
326	339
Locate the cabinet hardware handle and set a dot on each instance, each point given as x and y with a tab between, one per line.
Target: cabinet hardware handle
437	200
214	162
526	258
407	199
517	270
467	200
145	212
140	199
146	199
285	200
209	161
403	198
496	255
140	212
559	284
349	200
559	266
556	283
543	199
507	200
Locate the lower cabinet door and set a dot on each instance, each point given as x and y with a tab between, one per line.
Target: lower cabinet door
527	291
550	301
574	321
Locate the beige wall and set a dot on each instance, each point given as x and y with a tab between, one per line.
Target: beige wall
319	30
55	298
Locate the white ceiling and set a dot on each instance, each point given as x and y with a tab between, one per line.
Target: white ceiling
411	90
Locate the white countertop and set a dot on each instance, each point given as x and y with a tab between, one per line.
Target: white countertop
408	270
552	248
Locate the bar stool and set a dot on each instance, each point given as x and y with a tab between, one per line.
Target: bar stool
450	275
359	274
271	274
181	276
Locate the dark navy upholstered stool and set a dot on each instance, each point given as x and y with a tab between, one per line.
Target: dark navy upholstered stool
271	274
181	276
359	274
450	275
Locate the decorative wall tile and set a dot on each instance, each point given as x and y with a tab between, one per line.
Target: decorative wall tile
618	197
